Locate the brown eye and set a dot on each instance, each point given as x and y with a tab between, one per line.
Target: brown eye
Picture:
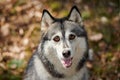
56	38
71	36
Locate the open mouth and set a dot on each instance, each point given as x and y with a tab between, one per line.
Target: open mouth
67	62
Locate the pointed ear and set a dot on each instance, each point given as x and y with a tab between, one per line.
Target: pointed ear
46	20
75	15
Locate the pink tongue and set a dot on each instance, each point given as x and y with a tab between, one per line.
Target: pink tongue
67	63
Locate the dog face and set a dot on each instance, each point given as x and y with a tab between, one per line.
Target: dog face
64	39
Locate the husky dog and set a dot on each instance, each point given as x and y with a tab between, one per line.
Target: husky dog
63	50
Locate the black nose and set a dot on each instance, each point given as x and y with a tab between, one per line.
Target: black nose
66	54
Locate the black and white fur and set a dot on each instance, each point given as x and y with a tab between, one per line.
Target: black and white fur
60	56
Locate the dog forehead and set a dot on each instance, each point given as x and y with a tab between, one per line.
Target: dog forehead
64	27
73	27
54	29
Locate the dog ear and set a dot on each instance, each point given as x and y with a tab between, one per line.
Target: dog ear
46	20
75	15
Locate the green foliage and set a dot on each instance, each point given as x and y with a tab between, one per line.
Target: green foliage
10	76
20	2
15	63
118	47
64	12
86	14
107	31
55	6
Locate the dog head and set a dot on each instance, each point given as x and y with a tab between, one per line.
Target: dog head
64	40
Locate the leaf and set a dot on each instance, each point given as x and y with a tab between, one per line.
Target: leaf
5	29
96	37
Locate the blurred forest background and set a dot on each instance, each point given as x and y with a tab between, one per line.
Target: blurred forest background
20	34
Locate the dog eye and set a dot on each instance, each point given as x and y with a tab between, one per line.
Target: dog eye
71	36
56	38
